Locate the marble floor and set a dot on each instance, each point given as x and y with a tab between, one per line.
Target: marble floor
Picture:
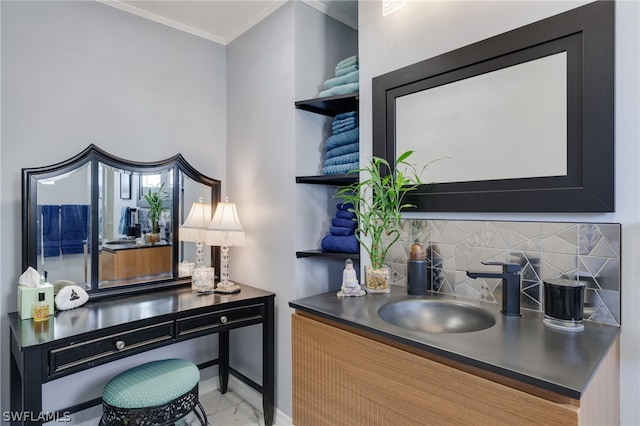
227	409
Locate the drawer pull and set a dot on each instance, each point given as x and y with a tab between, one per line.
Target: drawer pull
119	344
223	319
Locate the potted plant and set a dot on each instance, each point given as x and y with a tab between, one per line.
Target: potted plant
377	203
155	199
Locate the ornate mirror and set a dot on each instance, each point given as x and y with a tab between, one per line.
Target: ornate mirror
110	224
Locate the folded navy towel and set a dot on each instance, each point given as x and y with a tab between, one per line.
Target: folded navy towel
346	70
353	157
343	89
74	229
345	214
344	138
347	62
345	206
352	77
341	244
341	169
125	220
344	223
341	231
345	115
342	150
50	216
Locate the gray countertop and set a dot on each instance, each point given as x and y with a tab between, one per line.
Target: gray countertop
521	348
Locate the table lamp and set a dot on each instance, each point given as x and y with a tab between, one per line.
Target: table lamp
194	230
225	230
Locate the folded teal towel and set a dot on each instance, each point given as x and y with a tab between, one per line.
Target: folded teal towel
347	62
345	115
344	128
336	124
341	169
344	138
340	90
344	71
342	150
352	77
352	157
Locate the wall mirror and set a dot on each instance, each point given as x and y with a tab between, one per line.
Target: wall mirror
525	119
87	220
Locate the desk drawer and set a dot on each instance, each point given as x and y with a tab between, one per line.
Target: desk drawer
95	351
229	318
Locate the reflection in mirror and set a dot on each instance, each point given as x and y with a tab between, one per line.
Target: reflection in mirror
506	124
191	192
63	226
128	254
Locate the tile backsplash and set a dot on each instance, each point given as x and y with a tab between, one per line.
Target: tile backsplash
586	251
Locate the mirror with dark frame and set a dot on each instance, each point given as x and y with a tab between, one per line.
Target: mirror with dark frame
524	119
88	220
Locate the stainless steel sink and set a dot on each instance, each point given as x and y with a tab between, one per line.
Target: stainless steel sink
436	316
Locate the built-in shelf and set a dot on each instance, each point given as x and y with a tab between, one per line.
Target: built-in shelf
331	105
328	179
323	253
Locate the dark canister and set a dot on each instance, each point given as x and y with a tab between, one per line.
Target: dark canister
417	271
564	303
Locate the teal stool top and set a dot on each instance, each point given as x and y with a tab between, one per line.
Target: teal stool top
152	384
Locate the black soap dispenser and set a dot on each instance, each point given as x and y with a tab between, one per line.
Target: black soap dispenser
417	271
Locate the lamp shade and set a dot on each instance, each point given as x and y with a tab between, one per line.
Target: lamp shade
194	228
225	228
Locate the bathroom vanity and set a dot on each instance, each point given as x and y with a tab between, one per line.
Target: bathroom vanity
350	367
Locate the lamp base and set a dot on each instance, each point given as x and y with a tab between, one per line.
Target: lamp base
227	287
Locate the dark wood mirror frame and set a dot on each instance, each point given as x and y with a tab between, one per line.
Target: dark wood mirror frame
587	35
95	155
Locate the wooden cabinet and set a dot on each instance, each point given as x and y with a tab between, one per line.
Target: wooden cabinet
133	263
344	376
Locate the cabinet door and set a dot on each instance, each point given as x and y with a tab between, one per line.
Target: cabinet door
340	378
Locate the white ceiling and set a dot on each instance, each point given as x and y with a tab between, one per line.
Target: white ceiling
224	20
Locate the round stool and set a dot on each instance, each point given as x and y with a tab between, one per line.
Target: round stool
156	393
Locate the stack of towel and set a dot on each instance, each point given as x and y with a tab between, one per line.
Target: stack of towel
343	146
346	80
342	236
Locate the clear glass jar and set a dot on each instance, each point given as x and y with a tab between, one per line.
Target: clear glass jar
377	280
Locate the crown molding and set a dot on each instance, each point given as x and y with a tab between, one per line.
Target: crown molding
322	7
256	19
165	21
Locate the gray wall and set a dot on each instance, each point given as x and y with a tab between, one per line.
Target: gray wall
75	73
284	58
424	29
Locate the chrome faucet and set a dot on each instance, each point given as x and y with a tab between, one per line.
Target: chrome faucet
510	285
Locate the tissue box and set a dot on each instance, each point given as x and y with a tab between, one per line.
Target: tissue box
27	296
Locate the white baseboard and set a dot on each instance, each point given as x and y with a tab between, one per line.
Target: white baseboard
208	385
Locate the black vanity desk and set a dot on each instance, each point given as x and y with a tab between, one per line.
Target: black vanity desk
108	329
